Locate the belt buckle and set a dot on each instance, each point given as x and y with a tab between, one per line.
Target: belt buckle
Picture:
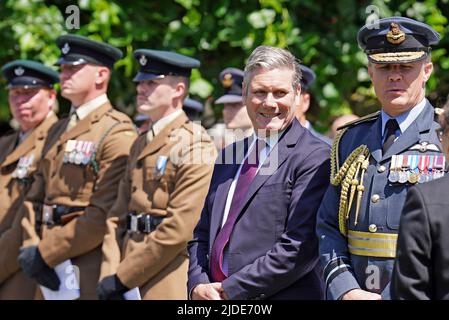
134	223
48	214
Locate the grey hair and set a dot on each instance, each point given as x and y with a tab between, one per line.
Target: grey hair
267	57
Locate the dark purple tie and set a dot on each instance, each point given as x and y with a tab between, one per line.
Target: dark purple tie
247	174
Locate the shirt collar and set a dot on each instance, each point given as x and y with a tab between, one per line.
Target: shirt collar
307	125
83	110
159	125
271	140
405	119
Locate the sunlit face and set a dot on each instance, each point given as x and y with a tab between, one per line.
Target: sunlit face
155	96
400	87
30	106
77	81
235	116
270	99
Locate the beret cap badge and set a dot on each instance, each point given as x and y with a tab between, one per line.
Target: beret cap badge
143	60
19	71
395	35
65	49
227	80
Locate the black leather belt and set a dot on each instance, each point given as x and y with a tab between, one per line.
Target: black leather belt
142	222
54	214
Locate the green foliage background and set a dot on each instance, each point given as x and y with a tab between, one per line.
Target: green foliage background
222	33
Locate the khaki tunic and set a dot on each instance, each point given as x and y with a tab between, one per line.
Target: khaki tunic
78	186
157	262
13	283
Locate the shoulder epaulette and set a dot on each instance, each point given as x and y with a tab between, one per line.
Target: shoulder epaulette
119	116
367	118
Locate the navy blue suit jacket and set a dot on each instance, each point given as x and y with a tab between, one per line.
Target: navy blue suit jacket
273	250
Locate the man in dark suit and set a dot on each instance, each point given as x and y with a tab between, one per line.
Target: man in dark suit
421	267
255	238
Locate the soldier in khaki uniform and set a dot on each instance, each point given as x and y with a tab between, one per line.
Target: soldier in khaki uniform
76	184
163	190
31	99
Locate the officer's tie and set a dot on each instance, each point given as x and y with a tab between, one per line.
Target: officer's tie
150	132
73	120
390	134
247	174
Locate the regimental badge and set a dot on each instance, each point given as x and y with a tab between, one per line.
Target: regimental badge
65	49
395	35
161	164
227	80
19	71
143	60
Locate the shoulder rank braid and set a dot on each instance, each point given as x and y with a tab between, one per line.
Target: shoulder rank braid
350	177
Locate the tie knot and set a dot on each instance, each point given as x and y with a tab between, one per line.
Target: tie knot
391	126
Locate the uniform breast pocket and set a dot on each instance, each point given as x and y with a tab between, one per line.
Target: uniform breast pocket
159	186
395	202
78	178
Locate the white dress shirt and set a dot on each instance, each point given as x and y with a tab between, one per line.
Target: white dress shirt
83	110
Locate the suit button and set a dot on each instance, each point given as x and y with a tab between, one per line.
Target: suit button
262	296
375	198
134	188
381	169
372	228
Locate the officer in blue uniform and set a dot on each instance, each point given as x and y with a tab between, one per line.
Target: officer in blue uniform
308	78
376	159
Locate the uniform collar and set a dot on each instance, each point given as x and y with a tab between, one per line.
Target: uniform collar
83	110
404	120
270	141
24	135
307	125
159	125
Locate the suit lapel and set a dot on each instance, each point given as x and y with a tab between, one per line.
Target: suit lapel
161	139
412	135
275	159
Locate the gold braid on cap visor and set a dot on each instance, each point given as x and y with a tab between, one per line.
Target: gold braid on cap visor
397	56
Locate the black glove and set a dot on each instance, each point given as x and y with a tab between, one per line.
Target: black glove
34	266
111	288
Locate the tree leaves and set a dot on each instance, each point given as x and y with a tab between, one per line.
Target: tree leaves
222	33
